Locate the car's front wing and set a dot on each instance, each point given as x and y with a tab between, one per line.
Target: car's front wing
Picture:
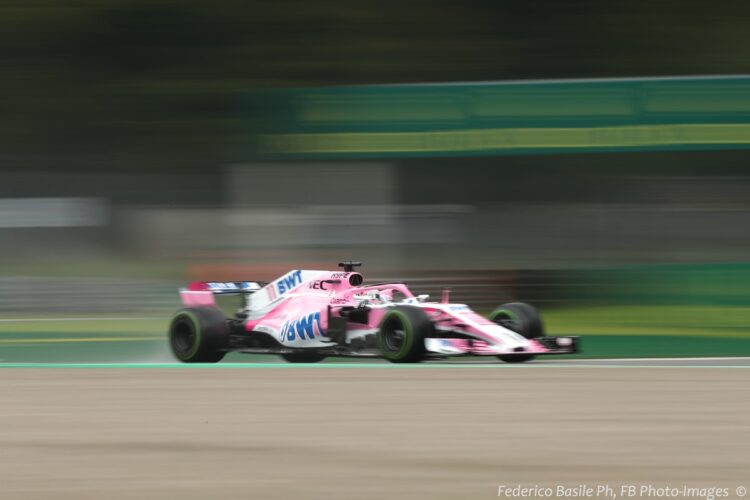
472	347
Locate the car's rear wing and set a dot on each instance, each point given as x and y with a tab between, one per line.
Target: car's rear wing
202	293
226	286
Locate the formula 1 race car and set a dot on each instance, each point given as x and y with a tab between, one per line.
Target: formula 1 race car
305	316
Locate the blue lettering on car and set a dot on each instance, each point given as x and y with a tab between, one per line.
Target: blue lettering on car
305	327
288	282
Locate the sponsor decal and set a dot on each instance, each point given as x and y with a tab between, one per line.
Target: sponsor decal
289	281
305	327
319	284
339	276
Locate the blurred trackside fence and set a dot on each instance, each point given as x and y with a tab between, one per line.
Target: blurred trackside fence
698	285
34	296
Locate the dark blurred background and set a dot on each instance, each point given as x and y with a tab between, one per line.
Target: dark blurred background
129	160
152	86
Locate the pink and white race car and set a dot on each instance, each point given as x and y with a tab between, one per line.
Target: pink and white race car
306	316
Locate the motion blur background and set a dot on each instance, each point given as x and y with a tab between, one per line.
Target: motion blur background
147	143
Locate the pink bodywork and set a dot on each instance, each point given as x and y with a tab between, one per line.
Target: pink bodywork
298	315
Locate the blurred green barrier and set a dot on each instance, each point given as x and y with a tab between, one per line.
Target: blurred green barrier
500	118
709	300
660	346
646	320
701	285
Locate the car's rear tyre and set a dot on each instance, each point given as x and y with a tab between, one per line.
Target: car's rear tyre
522	318
302	357
199	335
402	333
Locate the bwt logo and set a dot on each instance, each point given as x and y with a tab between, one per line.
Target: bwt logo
289	281
306	327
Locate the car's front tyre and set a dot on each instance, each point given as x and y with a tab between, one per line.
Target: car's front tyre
402	333
522	318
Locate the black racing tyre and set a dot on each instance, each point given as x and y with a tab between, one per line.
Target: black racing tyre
402	333
302	357
521	318
199	335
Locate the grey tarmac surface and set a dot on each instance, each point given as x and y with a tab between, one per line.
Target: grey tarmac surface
371	432
458	362
737	362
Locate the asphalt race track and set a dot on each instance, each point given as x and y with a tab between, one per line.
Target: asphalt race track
377	431
458	362
655	362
